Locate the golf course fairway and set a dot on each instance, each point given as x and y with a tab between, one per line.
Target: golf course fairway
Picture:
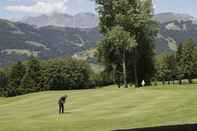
102	109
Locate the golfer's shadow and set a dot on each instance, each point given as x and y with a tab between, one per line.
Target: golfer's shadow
67	112
188	127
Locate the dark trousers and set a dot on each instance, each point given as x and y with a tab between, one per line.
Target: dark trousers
61	108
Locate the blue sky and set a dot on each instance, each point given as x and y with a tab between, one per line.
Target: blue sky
17	9
178	6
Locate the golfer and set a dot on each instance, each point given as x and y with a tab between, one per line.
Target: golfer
61	103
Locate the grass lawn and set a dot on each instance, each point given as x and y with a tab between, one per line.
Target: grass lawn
102	109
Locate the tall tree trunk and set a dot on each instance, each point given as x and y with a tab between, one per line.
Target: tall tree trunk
124	69
114	74
163	82
190	81
180	81
173	82
135	68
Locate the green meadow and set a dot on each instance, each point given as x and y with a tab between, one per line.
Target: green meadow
102	109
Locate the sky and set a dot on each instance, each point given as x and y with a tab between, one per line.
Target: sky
18	9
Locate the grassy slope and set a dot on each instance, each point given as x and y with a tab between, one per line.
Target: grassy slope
100	109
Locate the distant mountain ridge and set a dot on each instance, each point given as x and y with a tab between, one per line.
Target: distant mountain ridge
18	41
81	20
169	16
90	20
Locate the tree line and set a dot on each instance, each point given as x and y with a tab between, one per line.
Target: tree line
57	74
127	49
179	65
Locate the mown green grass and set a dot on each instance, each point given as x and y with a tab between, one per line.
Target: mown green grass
100	109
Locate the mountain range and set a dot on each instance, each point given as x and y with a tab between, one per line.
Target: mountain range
19	41
169	16
81	20
57	35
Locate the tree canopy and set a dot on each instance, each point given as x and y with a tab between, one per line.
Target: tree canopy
135	17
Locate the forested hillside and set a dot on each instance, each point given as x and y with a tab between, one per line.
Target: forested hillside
18	41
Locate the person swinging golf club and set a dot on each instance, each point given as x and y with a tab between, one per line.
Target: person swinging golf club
61	103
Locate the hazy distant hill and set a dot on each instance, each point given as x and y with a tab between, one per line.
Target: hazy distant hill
90	20
173	33
81	20
169	16
19	41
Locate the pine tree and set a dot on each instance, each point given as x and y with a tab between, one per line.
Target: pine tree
188	60
179	65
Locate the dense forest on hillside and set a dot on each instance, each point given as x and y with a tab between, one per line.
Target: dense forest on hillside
18	41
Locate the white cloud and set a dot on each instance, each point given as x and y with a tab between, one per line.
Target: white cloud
40	7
